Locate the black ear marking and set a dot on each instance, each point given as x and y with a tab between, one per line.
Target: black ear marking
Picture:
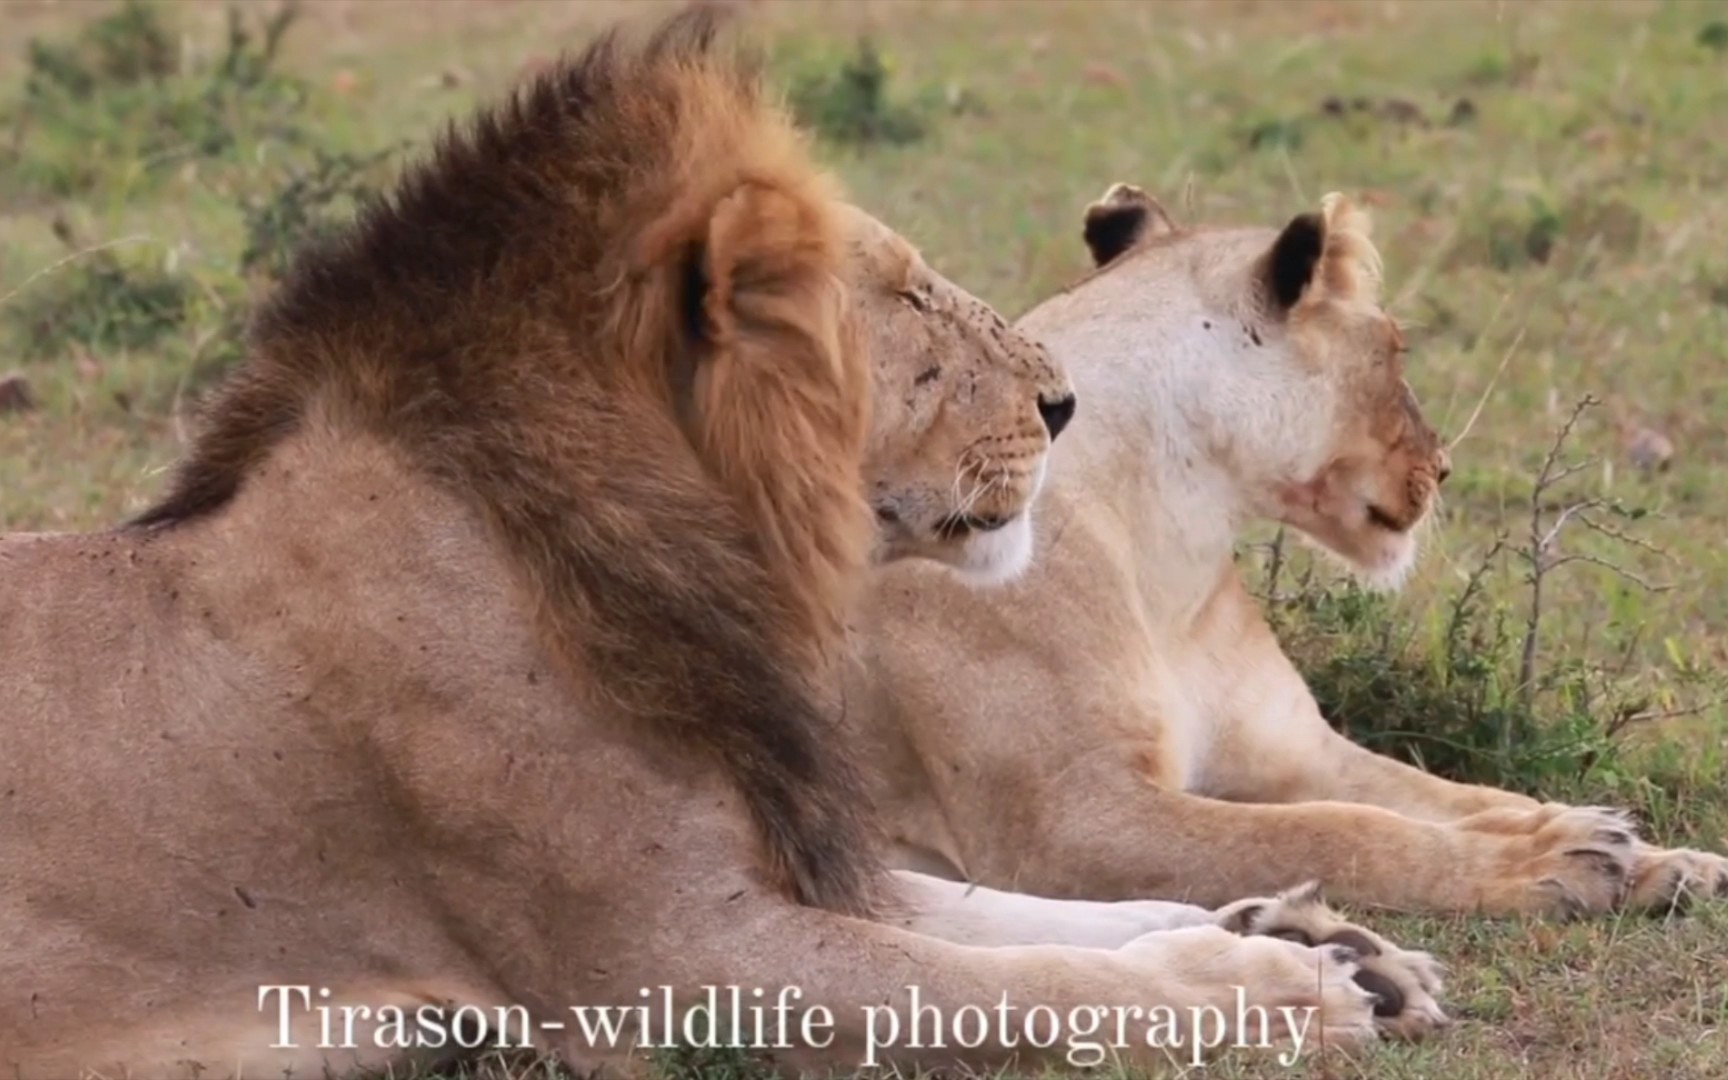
1119	220
1111	230
1290	265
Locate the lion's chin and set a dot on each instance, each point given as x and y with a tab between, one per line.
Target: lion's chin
985	559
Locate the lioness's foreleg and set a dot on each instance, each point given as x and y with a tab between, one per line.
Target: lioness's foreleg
1104	830
1302	759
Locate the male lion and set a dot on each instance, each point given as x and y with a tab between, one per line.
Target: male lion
481	662
1120	721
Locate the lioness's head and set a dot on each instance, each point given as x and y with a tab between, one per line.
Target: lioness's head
966	409
1291	373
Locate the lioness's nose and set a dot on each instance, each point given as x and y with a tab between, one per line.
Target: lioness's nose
1443	468
1056	414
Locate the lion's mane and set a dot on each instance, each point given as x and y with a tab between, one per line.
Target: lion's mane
607	315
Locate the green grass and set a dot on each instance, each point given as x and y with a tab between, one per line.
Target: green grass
1547	183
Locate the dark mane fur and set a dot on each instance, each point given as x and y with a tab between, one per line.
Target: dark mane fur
516	319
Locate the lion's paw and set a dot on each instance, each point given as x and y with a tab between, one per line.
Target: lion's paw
1558	860
1320	995
1284	993
1405	983
1668	879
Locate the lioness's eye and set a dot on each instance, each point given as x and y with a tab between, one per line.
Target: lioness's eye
915	300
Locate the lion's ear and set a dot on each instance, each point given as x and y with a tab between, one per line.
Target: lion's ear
769	255
1327	254
780	394
1122	218
775	323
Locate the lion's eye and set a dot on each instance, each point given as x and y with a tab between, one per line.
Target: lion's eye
918	302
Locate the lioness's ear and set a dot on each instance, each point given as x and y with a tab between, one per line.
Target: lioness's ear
1122	218
1326	254
1289	266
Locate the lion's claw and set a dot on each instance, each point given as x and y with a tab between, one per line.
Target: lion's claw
1404	983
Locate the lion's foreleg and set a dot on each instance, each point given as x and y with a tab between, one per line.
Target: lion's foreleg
820	992
975	915
1405	982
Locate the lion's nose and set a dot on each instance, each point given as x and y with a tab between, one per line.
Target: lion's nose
1056	414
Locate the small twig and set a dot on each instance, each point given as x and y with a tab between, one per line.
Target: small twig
79	254
1482	401
1418	280
1290	175
1625	718
1629	654
276	26
1543	480
1540	555
1539	547
1472	587
1620	535
1276	567
1596	560
1566	514
1569	471
1504	359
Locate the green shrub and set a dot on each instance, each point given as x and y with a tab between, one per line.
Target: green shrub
1448	702
116	104
851	104
101	302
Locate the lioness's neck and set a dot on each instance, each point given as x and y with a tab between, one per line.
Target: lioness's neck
1134	455
1177	507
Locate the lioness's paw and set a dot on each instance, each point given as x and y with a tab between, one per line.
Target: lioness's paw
1667	880
1404	982
1557	860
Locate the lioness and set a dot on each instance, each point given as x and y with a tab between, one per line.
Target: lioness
481	661
1120	721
